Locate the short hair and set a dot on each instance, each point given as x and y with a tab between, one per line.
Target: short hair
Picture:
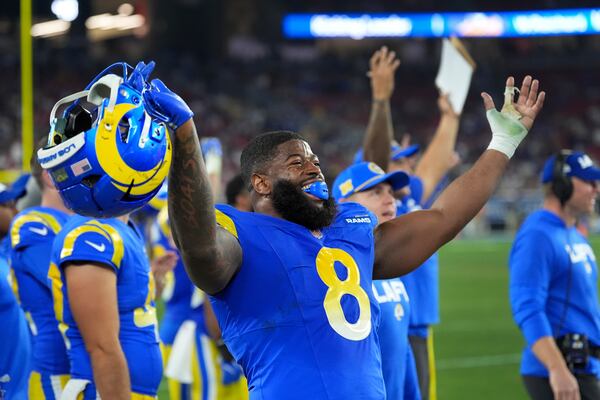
34	164
261	150
234	187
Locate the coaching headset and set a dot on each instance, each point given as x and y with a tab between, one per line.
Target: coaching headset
561	184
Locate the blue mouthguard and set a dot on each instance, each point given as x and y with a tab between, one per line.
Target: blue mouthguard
318	189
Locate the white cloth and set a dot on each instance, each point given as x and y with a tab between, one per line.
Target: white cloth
179	365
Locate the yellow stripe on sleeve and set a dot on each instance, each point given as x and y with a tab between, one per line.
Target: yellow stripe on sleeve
34	216
117	241
72	236
225	222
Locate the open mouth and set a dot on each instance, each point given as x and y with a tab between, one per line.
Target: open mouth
310	196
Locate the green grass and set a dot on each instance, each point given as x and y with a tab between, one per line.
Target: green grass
477	345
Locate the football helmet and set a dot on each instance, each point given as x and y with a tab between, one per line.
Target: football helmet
106	155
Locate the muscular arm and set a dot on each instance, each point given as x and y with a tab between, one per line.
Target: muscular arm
404	243
92	291
438	158
211	255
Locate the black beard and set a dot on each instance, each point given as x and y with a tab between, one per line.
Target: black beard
293	205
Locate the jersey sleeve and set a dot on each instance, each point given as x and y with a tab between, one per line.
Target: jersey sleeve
31	229
93	242
530	265
225	219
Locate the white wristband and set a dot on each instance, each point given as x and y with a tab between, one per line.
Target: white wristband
507	132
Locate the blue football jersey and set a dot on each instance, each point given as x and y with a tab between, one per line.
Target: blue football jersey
300	316
15	340
119	246
179	289
32	233
396	357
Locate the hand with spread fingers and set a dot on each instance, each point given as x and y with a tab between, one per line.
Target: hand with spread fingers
383	65
511	124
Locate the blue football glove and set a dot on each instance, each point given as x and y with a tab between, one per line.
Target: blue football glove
139	77
166	106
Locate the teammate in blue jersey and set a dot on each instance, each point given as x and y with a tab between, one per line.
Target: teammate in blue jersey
196	370
104	302
177	296
426	174
554	285
31	235
291	283
365	183
15	340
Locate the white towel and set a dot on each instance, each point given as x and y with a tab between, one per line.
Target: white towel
73	388
179	365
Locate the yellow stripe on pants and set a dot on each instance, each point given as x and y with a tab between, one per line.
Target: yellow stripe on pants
431	362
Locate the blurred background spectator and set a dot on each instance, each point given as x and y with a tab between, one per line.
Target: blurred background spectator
230	62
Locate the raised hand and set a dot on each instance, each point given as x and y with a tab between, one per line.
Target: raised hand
528	105
445	107
511	125
161	103
383	65
139	77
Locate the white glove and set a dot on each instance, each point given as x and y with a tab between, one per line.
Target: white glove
507	130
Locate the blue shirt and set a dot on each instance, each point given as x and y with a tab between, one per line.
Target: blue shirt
553	286
118	246
422	284
300	316
15	340
399	370
32	232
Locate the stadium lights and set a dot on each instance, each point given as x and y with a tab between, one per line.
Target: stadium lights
66	10
107	26
467	24
50	28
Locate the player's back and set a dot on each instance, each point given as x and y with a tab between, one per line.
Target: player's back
32	233
300	316
119	246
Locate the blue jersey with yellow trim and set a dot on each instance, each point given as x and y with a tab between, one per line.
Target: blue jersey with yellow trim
396	355
32	233
179	289
300	316
15	344
119	246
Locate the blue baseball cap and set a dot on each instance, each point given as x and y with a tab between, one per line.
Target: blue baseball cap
363	176
396	152
15	191
577	164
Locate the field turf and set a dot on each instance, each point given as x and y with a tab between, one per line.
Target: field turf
477	345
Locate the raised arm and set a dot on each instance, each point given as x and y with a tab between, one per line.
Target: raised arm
211	255
439	155
404	243
380	132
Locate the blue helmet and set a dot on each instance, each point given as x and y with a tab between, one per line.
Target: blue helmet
110	158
